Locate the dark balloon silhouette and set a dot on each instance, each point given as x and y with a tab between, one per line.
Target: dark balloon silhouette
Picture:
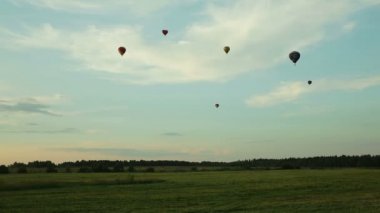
122	50
217	105
294	56
309	82
226	49
165	32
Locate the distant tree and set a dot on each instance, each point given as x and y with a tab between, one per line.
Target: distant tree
84	170
118	167
51	169
68	170
22	170
194	169
288	166
101	168
371	161
150	169
4	169
40	164
17	165
131	169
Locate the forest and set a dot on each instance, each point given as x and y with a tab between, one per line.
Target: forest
85	166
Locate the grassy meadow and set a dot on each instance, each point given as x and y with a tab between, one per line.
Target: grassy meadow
338	190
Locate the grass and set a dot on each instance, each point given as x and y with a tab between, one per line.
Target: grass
340	190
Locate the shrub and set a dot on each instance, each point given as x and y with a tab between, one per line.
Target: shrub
131	169
4	169
22	170
150	169
118	168
288	166
101	168
84	170
51	169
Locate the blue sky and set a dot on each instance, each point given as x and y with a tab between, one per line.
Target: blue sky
66	93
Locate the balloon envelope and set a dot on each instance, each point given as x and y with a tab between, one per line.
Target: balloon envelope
294	56
122	50
226	49
165	32
309	82
216	105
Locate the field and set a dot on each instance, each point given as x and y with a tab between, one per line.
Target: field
339	190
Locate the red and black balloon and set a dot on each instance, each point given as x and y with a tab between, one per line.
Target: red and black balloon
122	50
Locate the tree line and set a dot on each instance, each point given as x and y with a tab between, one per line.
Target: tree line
344	161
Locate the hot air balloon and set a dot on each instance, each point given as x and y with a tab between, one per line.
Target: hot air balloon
226	49
294	56
165	32
122	50
217	105
309	82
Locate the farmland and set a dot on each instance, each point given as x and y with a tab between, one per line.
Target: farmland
327	190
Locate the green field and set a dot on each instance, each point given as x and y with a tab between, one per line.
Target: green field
340	190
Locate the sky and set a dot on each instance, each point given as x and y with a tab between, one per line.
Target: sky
66	93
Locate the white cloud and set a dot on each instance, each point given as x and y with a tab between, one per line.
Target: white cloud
47	99
309	111
260	33
292	91
52	99
35	131
285	93
34	105
349	26
140	7
59	4
6	122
